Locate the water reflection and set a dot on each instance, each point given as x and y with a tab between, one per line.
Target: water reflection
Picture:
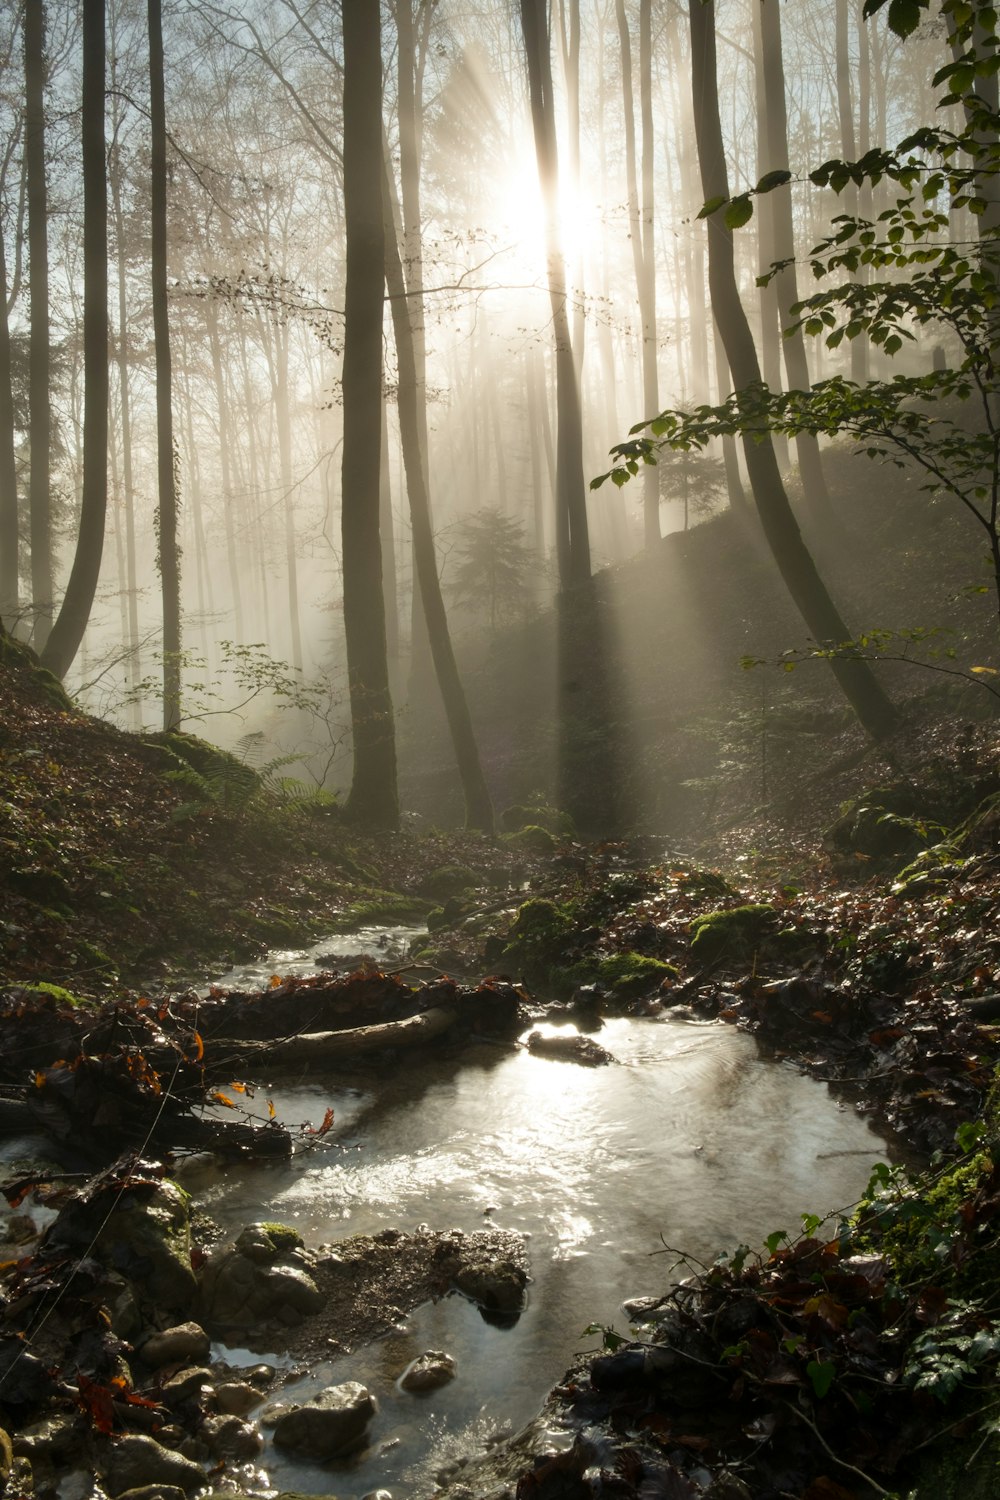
691	1140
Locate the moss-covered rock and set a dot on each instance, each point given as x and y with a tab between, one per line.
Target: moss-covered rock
531	839
625	974
540	937
537	815
737	932
448	880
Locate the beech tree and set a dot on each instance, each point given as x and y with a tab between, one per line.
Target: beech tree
63	641
373	797
40	410
572	535
168	547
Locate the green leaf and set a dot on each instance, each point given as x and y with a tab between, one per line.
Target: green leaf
774	1239
821	1374
772	180
739	212
904	16
712	206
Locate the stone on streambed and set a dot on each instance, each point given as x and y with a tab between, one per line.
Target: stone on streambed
331	1423
569	1047
142	1232
265	1277
136	1461
185	1344
498	1285
428	1371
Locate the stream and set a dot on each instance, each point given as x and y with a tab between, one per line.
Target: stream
693	1140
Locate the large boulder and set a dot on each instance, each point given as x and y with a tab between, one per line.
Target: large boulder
142	1232
264	1277
332	1423
137	1460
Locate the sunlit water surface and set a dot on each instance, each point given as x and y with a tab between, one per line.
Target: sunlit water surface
691	1141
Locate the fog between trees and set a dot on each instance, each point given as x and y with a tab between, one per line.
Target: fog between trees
475	97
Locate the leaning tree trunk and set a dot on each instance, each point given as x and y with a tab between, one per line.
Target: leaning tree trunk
169	548
478	803
67	632
793	558
39	401
573	541
373	798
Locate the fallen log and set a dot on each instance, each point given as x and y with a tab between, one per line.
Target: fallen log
330	1047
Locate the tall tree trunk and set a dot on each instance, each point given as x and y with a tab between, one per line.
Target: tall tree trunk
39	399
478	804
767	297
569	36
816	494
373	798
167	538
573	541
387	534
226	465
640	214
10	589
409	74
67	632
127	503
734	481
794	561
848	145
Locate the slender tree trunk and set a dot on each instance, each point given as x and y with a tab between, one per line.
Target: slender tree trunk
167	508
478	804
570	49
794	561
734	481
67	632
770	320
387	534
10	588
409	73
640	216
124	395
817	496
225	462
39	401
848	146
373	798
573	542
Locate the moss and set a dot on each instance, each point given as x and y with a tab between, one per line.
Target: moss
384	906
737	932
56	992
532	839
21	656
518	818
633	973
448	880
959	1469
283	1236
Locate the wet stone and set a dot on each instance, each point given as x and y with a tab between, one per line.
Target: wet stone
136	1461
186	1385
184	1344
428	1371
236	1397
228	1437
333	1422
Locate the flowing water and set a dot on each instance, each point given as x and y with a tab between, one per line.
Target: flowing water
691	1141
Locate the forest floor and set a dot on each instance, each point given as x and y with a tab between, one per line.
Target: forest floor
862	942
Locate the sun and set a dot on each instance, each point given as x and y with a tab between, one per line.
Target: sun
520	216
